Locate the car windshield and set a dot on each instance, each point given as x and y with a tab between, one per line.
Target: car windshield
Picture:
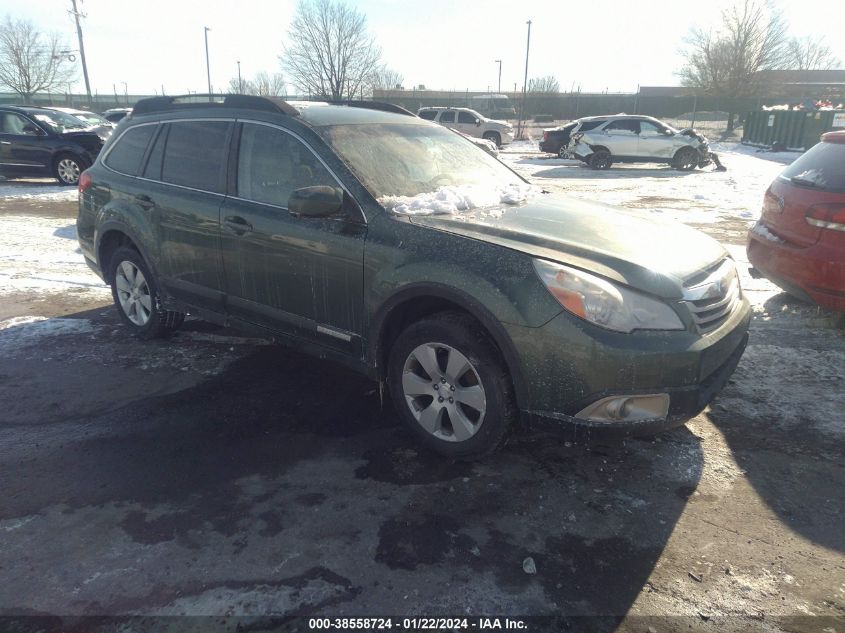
59	122
91	118
424	169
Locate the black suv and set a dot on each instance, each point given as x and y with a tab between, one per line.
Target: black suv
365	234
44	142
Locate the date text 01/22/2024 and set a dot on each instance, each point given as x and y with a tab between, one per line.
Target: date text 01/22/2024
415	624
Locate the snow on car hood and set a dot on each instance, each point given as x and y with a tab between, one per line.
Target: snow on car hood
457	199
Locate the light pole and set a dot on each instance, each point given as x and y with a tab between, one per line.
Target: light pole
207	65
125	92
499	61
525	81
240	83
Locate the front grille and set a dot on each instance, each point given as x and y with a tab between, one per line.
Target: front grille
711	300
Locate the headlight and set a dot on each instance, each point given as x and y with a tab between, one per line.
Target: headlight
576	137
601	302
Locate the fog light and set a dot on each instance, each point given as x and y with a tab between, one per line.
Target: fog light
634	408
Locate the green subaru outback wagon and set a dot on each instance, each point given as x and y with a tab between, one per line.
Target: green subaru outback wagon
363	234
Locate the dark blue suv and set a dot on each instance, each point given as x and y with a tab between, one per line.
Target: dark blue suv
44	142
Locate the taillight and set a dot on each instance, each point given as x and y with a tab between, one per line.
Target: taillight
772	203
827	216
545	136
85	181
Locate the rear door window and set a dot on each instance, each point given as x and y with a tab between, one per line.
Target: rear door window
447	117
195	155
820	167
625	126
128	152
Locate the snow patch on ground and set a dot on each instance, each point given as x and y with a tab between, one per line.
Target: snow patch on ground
41	255
21	332
29	190
793	387
453	199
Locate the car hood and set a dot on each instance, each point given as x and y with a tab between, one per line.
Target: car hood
649	254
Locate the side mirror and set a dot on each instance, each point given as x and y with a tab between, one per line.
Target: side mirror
316	202
478	123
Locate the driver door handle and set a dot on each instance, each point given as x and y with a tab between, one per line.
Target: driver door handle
237	224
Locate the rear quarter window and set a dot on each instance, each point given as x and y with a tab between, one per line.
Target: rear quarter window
428	115
820	167
128	152
586	126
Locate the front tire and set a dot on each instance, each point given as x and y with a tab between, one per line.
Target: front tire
136	296
67	169
686	159
493	136
450	386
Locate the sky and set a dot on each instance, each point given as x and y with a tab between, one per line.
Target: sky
614	45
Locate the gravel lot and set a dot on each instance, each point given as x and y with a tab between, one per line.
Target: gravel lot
215	474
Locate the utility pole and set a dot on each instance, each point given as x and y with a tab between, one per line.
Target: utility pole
77	15
525	81
207	65
499	61
240	83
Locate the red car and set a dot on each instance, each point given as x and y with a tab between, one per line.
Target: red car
799	242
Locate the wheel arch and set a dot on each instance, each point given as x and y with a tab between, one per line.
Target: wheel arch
421	300
112	235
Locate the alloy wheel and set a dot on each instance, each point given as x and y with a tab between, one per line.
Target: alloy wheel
68	171
444	392
133	293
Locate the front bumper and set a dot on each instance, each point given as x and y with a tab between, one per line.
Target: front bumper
568	365
685	403
507	137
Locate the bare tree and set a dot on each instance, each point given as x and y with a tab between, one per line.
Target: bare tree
241	86
385	78
544	84
331	54
264	83
31	61
268	84
751	37
807	53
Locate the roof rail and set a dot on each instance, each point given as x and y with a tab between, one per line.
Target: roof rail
375	105
178	102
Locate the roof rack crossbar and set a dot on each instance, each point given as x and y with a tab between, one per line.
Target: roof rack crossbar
251	102
375	105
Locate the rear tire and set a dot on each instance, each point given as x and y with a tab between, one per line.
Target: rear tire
600	159
67	168
450	387
137	298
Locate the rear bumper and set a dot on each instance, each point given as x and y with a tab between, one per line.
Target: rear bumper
815	273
